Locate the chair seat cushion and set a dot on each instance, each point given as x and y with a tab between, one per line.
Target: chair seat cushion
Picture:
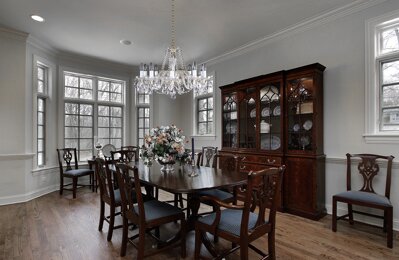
155	209
362	196
219	194
78	172
230	220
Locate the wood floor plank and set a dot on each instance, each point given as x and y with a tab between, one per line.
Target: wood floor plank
58	227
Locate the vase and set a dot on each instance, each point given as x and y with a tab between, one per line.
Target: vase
167	166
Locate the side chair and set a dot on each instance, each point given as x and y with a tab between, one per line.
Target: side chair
147	215
68	157
368	168
239	224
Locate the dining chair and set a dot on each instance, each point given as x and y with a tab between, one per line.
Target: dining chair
108	195
367	197
147	215
240	224
68	157
123	156
205	156
132	148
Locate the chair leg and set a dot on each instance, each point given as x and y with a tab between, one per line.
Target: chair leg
74	186
389	214
183	230
124	236
141	243
271	244
334	215
61	184
181	200
102	212
244	252
350	214
198	243
111	222
384	227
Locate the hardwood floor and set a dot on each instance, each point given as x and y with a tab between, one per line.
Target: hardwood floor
54	227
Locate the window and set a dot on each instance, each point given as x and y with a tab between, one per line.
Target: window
93	107
382	79
204	110
42	96
143	116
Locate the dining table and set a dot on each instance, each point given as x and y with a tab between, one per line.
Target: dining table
188	179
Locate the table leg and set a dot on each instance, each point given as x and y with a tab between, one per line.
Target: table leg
193	205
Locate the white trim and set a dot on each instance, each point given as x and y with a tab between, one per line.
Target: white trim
342	160
302	26
44	169
372	93
8	157
41	45
20	198
13	34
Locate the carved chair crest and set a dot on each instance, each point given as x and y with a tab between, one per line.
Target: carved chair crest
368	168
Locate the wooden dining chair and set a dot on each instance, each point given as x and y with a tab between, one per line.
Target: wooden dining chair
123	156
368	168
132	148
147	215
205	156
67	158
108	195
240	224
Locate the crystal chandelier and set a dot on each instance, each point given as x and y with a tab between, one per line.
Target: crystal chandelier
173	78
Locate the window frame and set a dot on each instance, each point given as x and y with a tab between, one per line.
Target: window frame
196	98
95	102
373	80
139	106
44	96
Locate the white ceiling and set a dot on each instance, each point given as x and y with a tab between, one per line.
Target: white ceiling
204	28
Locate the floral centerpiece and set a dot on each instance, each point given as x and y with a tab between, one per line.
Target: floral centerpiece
164	144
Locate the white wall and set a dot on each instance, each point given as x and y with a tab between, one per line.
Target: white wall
340	46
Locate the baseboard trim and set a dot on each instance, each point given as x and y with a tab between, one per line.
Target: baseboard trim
27	196
361	218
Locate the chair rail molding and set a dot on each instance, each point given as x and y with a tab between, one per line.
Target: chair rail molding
24	156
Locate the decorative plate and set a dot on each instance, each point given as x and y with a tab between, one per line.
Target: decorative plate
305	140
266	111
253	113
296	127
276	111
307	125
274	144
107	150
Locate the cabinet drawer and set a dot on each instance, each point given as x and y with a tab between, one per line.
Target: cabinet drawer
247	167
268	160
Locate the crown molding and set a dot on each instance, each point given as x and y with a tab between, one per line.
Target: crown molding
302	26
41	45
13	34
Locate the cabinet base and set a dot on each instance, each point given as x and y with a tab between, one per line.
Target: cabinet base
312	216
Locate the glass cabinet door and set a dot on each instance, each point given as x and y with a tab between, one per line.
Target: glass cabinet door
248	117
270	117
300	114
230	120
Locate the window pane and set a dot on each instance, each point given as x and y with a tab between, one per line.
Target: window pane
86	109
116	111
40	73
103	132
210	103
147	123
71	120
86	144
103	96
71	81
116	142
116	87
141	123
86	83
85	155
71	132
116	132
40	86
390	96
71	92
210	115
103	85
40	145
390	40
86	132
202	128
103	110
86	94
40	132
40	118
71	108
103	122
71	143
40	159
202	104
115	97
86	121
116	122
390	72
40	104
146	112
390	119
202	116
210	128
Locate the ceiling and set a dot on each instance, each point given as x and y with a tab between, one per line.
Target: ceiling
204	28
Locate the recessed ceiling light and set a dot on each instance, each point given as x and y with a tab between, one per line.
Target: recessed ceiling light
37	18
125	42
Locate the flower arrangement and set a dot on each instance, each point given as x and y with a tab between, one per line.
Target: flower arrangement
164	144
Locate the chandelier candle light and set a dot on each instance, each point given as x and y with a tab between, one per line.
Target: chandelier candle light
173	78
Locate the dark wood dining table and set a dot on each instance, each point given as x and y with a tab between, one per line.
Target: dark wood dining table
182	181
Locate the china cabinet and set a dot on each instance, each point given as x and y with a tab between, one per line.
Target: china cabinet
277	119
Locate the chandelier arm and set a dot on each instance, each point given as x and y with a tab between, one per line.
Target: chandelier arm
173	25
